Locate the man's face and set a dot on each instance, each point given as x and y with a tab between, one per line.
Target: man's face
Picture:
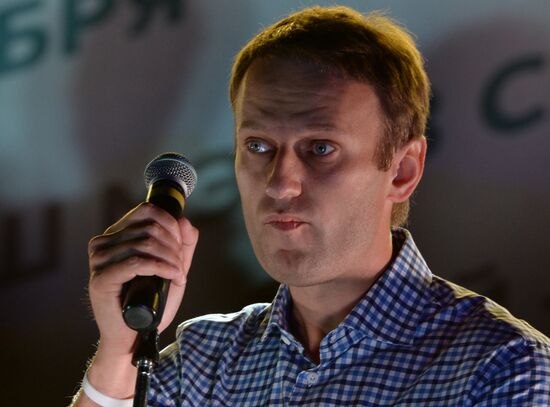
314	202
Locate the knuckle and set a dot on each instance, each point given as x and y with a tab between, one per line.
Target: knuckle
95	284
148	208
134	261
153	229
92	244
147	243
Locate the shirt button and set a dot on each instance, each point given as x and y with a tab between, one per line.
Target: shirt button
312	378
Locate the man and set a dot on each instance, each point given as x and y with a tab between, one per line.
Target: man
330	111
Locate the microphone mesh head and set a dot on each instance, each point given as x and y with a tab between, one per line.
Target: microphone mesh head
171	167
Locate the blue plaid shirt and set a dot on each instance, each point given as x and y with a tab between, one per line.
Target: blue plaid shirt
414	339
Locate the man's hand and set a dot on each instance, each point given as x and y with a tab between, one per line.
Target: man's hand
146	241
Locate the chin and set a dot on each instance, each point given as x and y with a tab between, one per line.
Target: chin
296	272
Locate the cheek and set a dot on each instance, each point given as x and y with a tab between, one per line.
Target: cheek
359	194
245	181
249	185
246	167
250	173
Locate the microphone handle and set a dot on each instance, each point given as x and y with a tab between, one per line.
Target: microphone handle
144	297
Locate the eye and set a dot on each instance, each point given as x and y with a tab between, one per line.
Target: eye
322	148
257	146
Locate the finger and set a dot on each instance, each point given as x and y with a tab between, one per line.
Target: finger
147	212
175	295
145	229
190	236
146	246
111	278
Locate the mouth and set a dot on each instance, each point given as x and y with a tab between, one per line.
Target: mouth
284	222
290	225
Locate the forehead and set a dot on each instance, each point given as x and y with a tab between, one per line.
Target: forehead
288	92
285	86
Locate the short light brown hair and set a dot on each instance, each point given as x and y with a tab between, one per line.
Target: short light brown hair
372	49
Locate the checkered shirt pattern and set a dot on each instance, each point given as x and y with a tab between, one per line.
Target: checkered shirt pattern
414	339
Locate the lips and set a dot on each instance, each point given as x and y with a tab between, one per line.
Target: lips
284	222
286	225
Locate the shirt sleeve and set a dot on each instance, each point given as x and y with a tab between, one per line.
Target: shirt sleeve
517	374
165	380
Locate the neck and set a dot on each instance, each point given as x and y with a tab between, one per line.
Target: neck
318	309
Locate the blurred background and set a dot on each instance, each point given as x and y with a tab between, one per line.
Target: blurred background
91	90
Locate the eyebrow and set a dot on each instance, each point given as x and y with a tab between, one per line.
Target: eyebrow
254	125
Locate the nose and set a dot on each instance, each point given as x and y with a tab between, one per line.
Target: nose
284	179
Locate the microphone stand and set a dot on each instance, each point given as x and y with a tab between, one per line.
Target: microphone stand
146	357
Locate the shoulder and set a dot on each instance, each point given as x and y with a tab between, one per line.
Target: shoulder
202	342
509	358
201	345
479	316
219	328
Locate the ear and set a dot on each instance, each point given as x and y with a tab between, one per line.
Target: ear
407	168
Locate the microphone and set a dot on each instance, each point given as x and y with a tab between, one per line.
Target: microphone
170	179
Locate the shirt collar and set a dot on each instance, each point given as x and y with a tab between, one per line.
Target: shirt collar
390	311
277	312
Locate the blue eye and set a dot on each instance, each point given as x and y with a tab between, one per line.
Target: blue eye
320	148
257	146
